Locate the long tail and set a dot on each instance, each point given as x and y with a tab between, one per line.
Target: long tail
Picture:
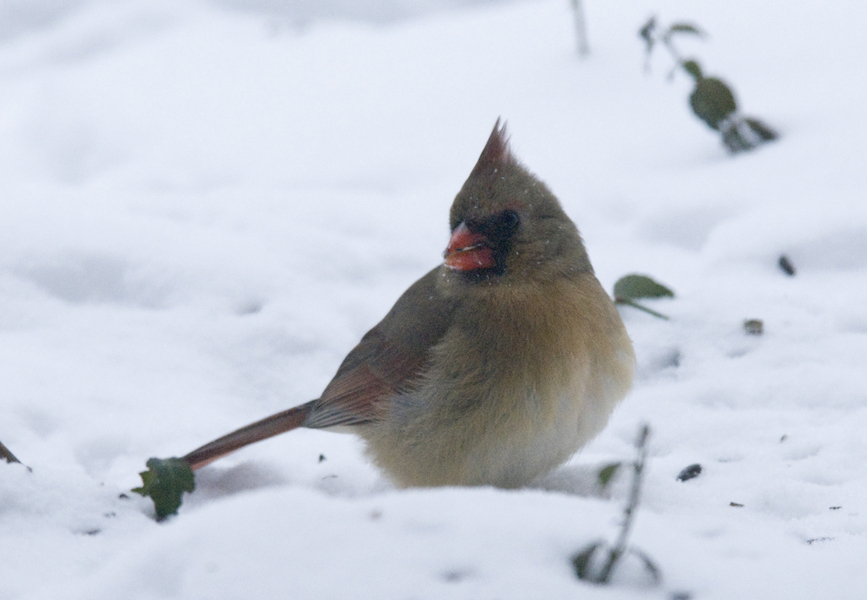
260	430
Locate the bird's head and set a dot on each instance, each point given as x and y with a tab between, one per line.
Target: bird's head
507	226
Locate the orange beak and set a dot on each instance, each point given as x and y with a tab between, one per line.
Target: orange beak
468	251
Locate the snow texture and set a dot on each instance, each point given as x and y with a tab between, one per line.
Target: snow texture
205	204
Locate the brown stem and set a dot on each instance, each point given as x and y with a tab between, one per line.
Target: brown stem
619	548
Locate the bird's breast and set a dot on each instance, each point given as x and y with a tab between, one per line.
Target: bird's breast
514	388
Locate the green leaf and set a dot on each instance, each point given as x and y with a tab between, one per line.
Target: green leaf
646	33
712	101
685	28
765	133
633	287
693	68
606	474
165	482
581	561
630	287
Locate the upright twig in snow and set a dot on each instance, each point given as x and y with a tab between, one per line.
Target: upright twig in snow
619	548
583	561
712	100
580	28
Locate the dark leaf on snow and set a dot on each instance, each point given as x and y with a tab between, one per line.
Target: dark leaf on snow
646	32
765	133
693	68
712	101
685	28
165	482
634	287
606	474
581	561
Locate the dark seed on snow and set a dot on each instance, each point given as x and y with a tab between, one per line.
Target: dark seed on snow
690	472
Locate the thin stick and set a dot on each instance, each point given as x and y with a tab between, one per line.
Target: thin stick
629	514
580	28
633	304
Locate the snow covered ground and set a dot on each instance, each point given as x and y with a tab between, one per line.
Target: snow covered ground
206	204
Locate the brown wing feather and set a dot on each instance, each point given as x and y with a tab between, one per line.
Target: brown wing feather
354	395
387	360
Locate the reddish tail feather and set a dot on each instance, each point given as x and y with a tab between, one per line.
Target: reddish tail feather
260	430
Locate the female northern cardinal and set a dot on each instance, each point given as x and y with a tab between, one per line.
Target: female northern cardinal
493	368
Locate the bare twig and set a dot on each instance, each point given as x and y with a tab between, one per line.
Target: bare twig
580	28
620	548
583	561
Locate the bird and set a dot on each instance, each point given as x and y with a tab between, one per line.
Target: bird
492	369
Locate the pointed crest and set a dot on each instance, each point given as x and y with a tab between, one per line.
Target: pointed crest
497	149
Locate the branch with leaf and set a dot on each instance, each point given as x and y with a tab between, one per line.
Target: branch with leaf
712	100
631	288
587	562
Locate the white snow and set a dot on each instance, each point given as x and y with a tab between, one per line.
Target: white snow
205	204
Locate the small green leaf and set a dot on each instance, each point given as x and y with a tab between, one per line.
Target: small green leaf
712	101
633	287
165	481
581	561
685	28
646	33
606	474
693	68
765	133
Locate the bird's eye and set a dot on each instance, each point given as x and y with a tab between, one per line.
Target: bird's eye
506	223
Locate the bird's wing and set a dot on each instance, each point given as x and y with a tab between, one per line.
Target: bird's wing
388	359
